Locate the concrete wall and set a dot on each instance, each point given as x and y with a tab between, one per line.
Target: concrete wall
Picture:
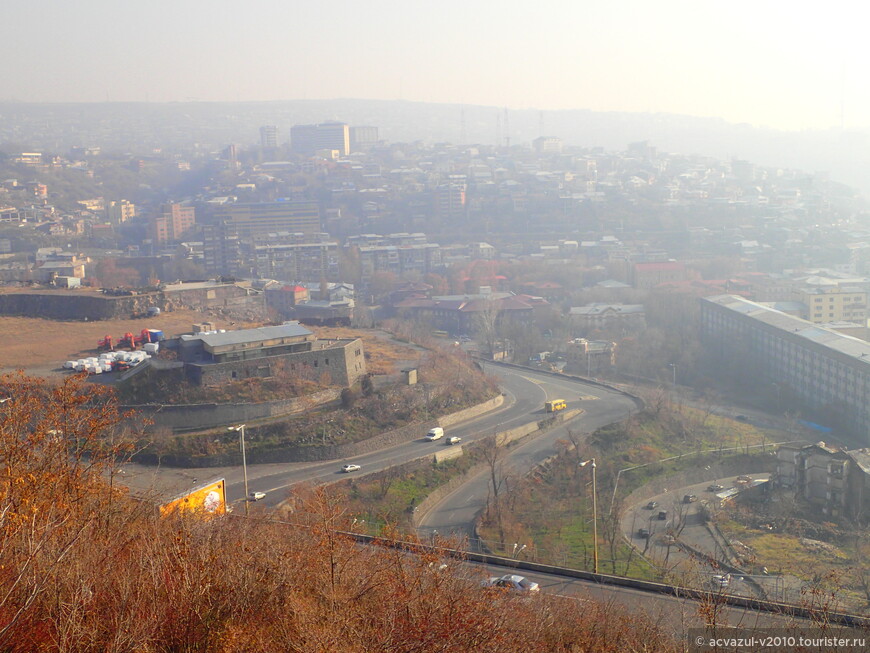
745	465
310	453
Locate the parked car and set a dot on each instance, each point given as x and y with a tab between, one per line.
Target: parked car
663	514
454	439
435	434
256	496
715	488
743	478
689	498
513	582
652	505
720	581
643	533
742	418
351	468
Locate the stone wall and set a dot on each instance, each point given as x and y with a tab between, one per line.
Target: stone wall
344	362
73	305
190	417
85	304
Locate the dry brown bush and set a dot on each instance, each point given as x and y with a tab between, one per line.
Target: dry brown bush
85	567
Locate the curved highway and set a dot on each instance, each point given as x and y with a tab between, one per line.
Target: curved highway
455	514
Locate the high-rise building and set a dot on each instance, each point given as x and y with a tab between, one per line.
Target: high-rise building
363	137
220	248
268	137
307	139
172	224
261	218
450	200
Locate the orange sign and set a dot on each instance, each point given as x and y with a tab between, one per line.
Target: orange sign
209	499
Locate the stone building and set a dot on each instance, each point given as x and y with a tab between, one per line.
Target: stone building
213	358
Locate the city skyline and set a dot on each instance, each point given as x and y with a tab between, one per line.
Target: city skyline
744	63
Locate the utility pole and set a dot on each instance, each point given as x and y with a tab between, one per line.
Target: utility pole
594	512
241	430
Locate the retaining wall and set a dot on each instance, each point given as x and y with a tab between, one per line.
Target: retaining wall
312	453
189	417
746	465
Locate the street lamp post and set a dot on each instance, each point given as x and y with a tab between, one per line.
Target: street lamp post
673	366
241	430
594	513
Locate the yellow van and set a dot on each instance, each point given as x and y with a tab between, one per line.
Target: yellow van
555	405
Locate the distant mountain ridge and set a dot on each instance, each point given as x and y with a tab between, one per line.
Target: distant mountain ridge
845	155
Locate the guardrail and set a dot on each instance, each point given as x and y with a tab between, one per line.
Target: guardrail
560	375
772	607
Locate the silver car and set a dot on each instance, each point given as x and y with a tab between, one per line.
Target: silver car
513	582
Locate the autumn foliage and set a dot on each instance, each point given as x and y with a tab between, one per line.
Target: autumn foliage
85	567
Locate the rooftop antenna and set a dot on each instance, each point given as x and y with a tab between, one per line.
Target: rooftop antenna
507	129
497	129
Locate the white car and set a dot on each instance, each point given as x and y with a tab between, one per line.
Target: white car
256	496
721	581
454	439
513	582
351	468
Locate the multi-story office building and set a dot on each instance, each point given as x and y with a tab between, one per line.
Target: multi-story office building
262	218
307	139
817	370
172	224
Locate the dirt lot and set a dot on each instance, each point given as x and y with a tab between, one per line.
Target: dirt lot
40	347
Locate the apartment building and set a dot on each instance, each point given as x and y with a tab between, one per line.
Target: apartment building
837	481
835	304
175	221
221	248
120	211
295	257
268	137
827	373
611	317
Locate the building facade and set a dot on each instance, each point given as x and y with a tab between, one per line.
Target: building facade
262	218
308	139
821	371
835	480
216	358
175	221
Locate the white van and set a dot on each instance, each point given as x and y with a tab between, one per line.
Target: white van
435	434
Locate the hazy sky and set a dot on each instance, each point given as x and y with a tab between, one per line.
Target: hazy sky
780	64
